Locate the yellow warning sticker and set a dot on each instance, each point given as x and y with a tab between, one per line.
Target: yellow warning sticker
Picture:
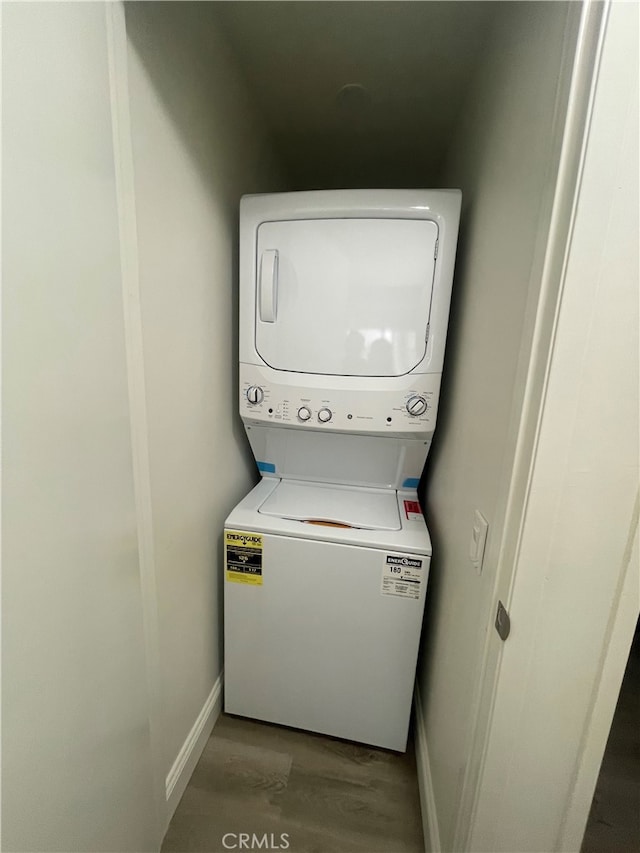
243	556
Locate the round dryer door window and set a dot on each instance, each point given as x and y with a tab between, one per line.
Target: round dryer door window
347	297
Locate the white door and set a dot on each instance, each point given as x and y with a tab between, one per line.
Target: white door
550	690
348	297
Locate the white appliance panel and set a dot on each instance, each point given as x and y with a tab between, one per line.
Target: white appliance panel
440	208
405	406
335	457
317	645
368	509
412	538
346	297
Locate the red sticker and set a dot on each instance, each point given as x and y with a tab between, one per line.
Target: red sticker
412	508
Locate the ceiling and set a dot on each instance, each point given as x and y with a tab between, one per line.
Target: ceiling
411	61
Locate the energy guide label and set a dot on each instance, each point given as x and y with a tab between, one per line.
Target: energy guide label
243	557
402	576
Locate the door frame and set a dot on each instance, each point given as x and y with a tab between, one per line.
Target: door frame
584	57
494	756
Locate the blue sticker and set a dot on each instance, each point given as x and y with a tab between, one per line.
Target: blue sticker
266	467
409	483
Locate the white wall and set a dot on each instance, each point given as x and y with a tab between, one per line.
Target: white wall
504	157
76	757
579	544
198	144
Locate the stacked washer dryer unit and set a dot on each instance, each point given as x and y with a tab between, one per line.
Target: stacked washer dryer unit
344	304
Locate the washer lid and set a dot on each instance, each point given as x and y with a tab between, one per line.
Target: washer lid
319	503
344	297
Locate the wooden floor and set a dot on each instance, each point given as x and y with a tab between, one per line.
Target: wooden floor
328	796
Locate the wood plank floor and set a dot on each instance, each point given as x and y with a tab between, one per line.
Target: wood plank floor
328	796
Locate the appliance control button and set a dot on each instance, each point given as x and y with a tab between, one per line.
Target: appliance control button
325	415
416	406
255	394
304	413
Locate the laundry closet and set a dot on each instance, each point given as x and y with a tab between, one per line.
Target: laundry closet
236	98
173	112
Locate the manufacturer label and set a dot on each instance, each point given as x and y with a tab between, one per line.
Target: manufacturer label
412	510
243	557
402	575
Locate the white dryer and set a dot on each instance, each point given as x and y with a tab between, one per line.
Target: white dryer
344	303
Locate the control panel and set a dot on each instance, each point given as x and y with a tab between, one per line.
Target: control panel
384	407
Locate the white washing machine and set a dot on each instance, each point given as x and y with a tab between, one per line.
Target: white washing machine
322	622
344	301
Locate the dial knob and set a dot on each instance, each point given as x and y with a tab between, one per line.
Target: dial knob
255	394
325	415
416	406
304	413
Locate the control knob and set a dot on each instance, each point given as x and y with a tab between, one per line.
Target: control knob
416	406
255	394
304	413
325	415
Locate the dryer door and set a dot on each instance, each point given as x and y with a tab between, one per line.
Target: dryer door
348	297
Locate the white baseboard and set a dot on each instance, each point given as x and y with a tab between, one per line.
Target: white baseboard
427	799
186	760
